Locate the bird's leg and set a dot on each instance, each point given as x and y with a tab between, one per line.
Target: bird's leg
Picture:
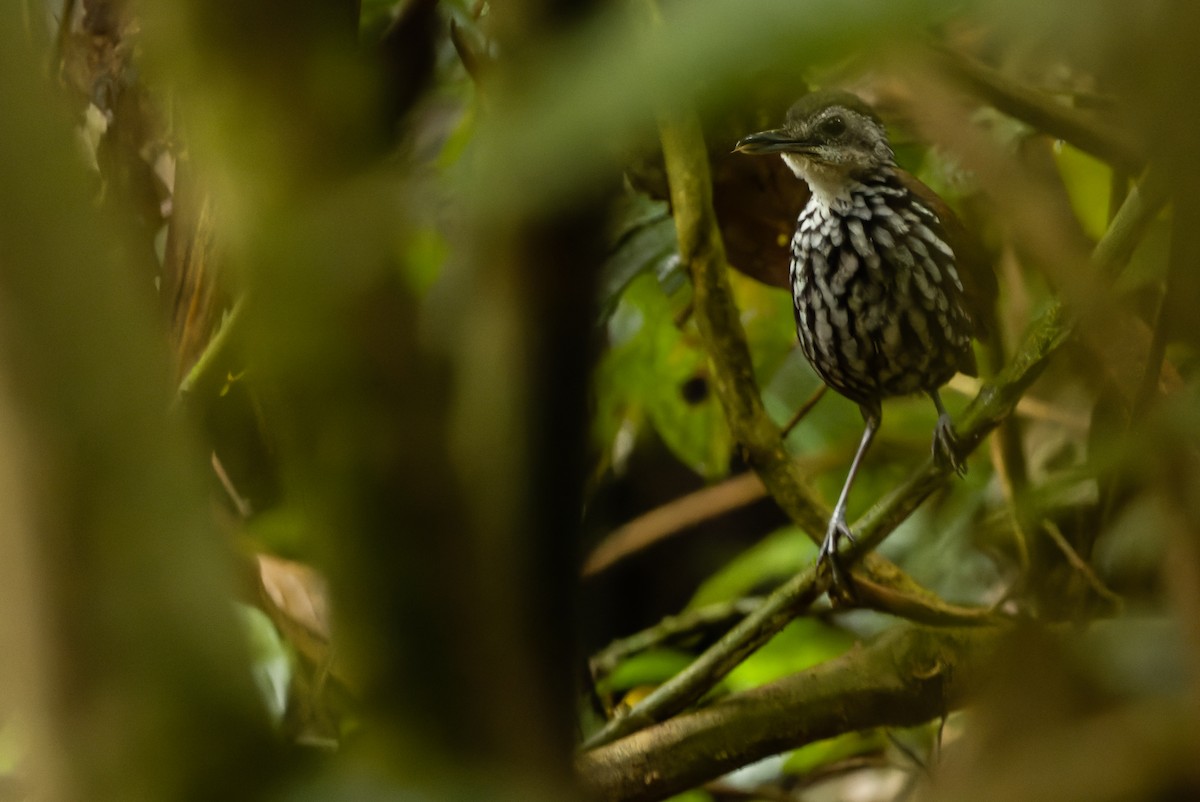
837	522
945	439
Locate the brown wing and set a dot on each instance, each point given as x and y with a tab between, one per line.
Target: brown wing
971	258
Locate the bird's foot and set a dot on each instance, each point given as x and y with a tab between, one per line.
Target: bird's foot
945	446
840	586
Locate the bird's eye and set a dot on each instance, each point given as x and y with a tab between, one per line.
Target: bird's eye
833	127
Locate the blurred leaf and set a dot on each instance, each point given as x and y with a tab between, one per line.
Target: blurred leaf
631	211
801	645
773	559
424	253
270	661
646	668
299	594
815	755
757	776
1135	655
792	383
459	138
835	422
943	172
768	319
608	82
13	742
1132	549
939	545
1147	266
1087	181
374	15
283	530
692	796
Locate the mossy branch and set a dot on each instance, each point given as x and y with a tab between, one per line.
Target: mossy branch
907	676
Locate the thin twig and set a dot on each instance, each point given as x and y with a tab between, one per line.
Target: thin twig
907	751
471	60
240	502
1008	490
684	512
673	517
672	629
805	408
881	598
218	347
1080	565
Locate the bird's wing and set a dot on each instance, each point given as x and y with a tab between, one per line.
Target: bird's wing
970	257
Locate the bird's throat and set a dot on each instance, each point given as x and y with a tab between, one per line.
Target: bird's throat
831	185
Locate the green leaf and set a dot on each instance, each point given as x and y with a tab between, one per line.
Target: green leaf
694	795
641	237
630	212
646	668
821	753
769	322
655	372
791	384
649	249
800	645
1088	183
765	564
283	530
270	661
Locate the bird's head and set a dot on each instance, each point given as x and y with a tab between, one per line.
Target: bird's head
829	136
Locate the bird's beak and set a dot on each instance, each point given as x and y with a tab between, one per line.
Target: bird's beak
776	141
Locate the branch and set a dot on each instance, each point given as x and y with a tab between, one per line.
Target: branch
908	676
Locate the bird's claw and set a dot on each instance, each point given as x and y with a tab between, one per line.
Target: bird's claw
840	586
945	446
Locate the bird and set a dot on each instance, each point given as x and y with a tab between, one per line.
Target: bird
888	287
